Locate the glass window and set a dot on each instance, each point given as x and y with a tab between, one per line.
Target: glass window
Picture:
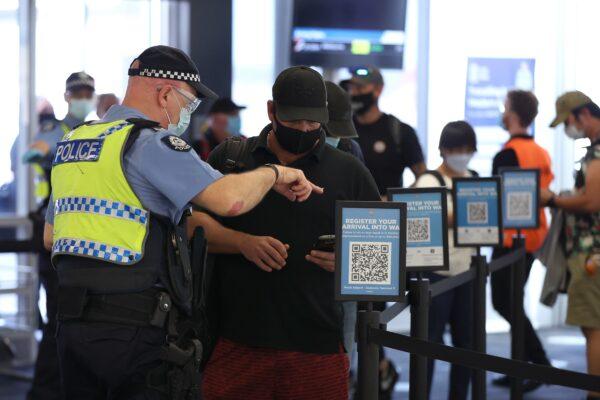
99	37
9	103
253	42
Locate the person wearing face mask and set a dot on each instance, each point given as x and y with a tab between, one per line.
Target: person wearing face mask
280	332
223	122
458	143
116	225
388	145
520	110
581	119
79	94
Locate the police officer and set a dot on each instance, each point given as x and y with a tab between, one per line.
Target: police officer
79	93
121	187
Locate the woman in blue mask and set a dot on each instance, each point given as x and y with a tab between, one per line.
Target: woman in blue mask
458	143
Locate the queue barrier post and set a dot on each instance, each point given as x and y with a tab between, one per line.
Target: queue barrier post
479	263
419	297
518	315
368	355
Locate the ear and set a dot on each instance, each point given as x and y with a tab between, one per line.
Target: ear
67	97
378	90
163	93
271	110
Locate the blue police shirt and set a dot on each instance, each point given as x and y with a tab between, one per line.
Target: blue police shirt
164	179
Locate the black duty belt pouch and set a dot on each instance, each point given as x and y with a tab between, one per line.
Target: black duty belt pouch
179	269
71	303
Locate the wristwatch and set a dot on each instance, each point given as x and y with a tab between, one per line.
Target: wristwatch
275	169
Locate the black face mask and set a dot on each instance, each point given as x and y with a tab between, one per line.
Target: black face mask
294	140
362	103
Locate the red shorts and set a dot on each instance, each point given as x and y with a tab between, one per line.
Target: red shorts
239	372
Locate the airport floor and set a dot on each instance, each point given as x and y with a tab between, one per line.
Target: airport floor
565	346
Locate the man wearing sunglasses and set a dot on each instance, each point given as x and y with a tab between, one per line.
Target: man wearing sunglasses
116	227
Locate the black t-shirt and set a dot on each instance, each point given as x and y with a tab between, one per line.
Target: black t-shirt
294	308
507	157
387	156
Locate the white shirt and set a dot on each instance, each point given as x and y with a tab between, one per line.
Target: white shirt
460	257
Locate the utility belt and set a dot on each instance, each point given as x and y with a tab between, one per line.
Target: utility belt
148	308
178	376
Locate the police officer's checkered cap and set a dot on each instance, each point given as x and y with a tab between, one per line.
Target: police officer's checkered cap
79	80
166	62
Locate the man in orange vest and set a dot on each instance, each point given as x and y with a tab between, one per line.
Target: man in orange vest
520	109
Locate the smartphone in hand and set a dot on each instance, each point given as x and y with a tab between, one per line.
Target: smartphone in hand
325	243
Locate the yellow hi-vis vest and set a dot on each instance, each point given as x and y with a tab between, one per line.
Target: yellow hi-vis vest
40	177
96	213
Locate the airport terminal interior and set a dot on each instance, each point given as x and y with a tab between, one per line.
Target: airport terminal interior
467	96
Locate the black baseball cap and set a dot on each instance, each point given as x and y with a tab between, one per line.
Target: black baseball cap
299	93
340	112
458	134
362	76
224	105
80	80
167	62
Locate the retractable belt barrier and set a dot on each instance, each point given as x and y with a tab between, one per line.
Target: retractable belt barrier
476	360
371	332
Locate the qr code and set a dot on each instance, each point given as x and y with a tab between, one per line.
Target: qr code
419	230
477	212
370	263
519	205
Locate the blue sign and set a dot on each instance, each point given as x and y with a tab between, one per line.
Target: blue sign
370	251
477	220
488	81
520	198
78	150
426	227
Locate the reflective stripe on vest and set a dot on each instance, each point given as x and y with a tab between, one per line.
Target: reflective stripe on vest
40	180
96	213
530	155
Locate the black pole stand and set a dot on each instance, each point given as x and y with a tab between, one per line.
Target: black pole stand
419	297
368	355
518	316
479	262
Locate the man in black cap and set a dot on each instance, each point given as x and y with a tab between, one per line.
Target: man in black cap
223	122
388	144
340	129
122	187
79	94
279	328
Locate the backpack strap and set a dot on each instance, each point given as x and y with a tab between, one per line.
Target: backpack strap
473	173
234	148
396	132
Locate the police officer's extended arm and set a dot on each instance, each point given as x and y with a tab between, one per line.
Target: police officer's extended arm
587	200
235	194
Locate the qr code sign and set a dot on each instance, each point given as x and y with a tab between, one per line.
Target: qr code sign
419	230
477	212
370	263
520	205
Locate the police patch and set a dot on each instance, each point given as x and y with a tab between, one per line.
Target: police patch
176	143
77	151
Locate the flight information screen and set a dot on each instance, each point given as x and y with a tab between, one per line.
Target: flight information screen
344	33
